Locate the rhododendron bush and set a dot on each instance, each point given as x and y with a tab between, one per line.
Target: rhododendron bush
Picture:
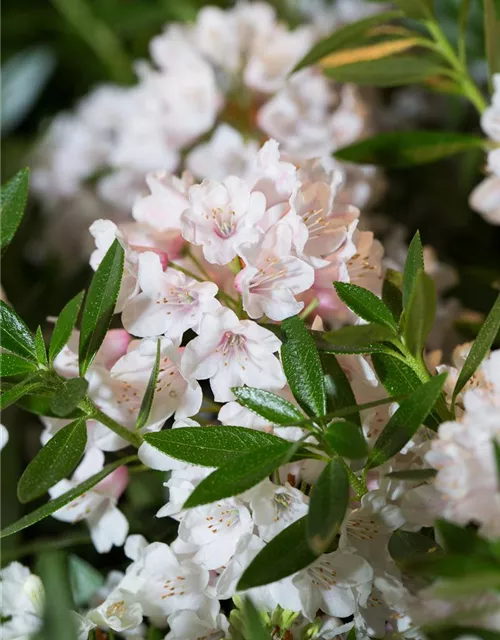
258	418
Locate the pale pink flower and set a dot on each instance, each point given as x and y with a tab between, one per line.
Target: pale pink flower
221	217
232	352
162	208
169	303
271	175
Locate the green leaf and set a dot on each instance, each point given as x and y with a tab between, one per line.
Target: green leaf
64	326
413	474
327	509
480	347
339	394
12	365
52	506
392	292
254	626
365	304
15	335
348	35
239	475
12	394
283	556
41	351
408	148
85	580
492	35
211	446
417	9
268	405
405	545
404	423
496	449
413	264
13	197
420	313
147	400
302	366
386	72
100	304
55	461
346	439
59	623
41	404
456	539
361	338
68	395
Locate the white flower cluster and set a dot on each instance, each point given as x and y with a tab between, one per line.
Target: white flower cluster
214	91
485	198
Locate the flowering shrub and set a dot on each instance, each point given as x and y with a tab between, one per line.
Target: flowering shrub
324	473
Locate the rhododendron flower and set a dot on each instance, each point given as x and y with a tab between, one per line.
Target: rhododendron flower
275	507
221	217
162	208
272	276
22	602
232	352
169	303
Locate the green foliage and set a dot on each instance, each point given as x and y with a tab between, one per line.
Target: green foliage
268	405
55	461
12	365
67	397
64	325
100	304
413	264
58	623
492	34
13	197
339	394
417	9
362	339
365	304
328	506
15	335
392	292
346	439
419	313
147	400
407	544
84	579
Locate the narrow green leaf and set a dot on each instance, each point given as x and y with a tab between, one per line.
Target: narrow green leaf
492	35
365	304
268	405
417	9
386	72
239	475
64	326
413	474
392	292
461	540
283	556
211	446
480	347
52	506
55	461
68	395
41	351
350	34
302	366
414	263
13	197
15	335
147	400
12	365
404	423
361	338
451	565
329	500
84	579
339	394
408	148
254	626
352	634
59	623
404	545
100	304
41	405
420	313
496	449
12	394
346	439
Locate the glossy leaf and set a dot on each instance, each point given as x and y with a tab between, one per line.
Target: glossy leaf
41	351
12	394
413	265
413	474
370	51
392	292
362	338
420	313
339	394
408	148
302	366
52	506
404	423
59	621
12	365
492	35
283	556
211	446
68	395
64	326
254	626
345	36
15	335
239	474
268	405
58	458
404	545
459	539
417	9
387	72
480	347
13	198
100	304
346	439
147	400
40	403
328	505
365	304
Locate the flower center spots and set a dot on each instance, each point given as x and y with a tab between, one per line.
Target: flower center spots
282	503
232	343
178	296
224	222
174	587
117	609
223	519
323	575
363	529
315	222
268	275
129	397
